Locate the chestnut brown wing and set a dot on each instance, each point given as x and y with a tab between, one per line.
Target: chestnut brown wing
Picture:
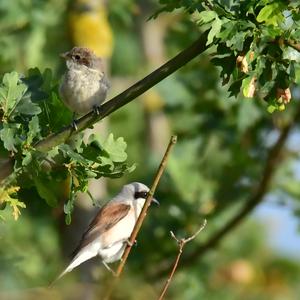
105	219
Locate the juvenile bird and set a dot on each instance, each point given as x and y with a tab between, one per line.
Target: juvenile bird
109	232
84	86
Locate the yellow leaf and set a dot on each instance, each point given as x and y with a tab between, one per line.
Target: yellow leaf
242	63
7	195
249	86
14	205
283	95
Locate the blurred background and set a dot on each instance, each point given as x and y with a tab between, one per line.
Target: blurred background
218	164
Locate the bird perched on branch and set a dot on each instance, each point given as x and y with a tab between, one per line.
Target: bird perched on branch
84	86
109	232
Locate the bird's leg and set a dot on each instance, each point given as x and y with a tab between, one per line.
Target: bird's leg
74	125
131	244
97	109
108	268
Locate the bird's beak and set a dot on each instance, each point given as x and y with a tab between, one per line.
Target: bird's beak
155	201
65	55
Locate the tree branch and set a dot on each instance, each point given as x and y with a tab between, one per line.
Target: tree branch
181	243
293	44
142	215
273	160
128	95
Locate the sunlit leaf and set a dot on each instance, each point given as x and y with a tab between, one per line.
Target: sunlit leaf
215	29
272	14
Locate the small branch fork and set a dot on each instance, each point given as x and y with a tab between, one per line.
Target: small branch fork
181	243
142	215
274	159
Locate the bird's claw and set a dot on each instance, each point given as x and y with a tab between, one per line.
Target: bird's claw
131	244
97	110
74	125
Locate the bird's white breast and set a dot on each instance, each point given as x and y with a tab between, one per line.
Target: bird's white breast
114	240
83	88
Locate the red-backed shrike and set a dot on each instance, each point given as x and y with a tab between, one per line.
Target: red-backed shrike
110	230
84	85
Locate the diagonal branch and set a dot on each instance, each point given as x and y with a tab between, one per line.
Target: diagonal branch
118	101
293	44
273	160
142	215
128	95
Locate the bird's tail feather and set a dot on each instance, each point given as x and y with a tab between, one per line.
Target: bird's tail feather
81	257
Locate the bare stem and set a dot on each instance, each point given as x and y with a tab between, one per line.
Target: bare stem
142	215
181	243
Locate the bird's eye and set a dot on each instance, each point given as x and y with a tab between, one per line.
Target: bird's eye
77	57
142	194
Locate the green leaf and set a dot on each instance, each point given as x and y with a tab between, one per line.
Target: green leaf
8	137
215	29
115	148
27	107
229	29
11	92
54	114
272	14
68	152
34	129
271	108
27	159
45	191
249	86
69	206
205	16
105	161
237	41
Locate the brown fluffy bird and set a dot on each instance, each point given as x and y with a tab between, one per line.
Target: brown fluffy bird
84	86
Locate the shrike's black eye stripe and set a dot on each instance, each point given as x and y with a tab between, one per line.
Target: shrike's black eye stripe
142	194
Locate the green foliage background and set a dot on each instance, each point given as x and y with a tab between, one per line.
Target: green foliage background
224	139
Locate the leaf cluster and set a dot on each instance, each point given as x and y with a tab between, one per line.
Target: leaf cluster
30	110
254	44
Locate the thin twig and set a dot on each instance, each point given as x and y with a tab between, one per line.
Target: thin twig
142	215
273	160
181	243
